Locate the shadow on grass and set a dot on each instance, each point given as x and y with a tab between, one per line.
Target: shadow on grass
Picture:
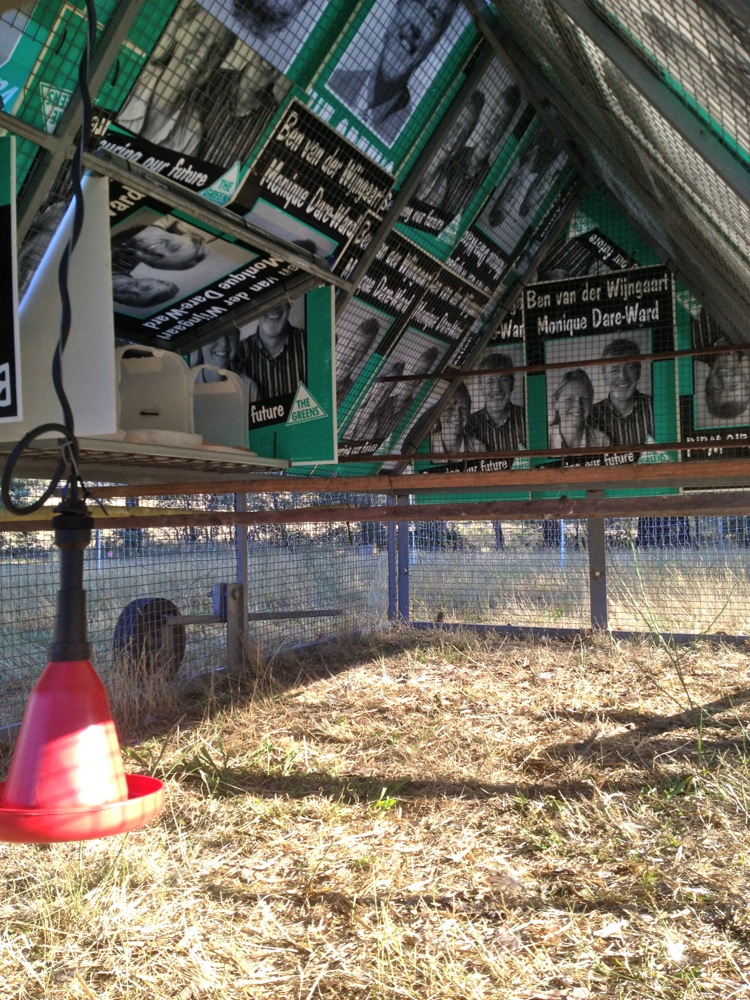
383	793
202	696
698	740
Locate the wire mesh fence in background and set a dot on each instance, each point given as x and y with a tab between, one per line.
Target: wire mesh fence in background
678	575
313	580
334	577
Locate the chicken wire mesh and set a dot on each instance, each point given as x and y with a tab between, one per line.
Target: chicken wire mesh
328	579
313	580
682	575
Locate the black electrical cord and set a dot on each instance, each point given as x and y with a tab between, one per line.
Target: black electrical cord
69	451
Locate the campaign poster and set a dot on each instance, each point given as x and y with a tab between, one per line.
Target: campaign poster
470	152
417	419
47	90
486	413
591	252
623	401
398	277
352	253
310	186
384	408
277	30
715	409
285	357
512	208
10	380
722	60
391	71
199	106
449	306
360	331
477	260
21	40
170	275
538	236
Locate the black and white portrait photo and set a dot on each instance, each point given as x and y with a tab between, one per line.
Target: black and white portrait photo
272	352
626	413
392	60
589	253
450	433
158	260
497	421
721	379
275	29
571	402
513	205
614	403
695	67
722	388
203	92
359	330
221	353
485	413
385	405
276	221
472	145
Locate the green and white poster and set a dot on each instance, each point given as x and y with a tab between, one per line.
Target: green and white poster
616	319
10	383
714	393
472	157
390	72
286	359
20	44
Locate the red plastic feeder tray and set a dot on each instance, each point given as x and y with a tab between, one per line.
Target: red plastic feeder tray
66	780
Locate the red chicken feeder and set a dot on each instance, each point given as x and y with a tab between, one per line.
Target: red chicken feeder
66	780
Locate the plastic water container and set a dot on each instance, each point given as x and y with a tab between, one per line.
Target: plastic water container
220	406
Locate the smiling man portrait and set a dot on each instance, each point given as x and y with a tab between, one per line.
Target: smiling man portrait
378	93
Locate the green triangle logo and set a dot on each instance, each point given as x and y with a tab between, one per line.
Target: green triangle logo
653	457
224	188
305	407
54	102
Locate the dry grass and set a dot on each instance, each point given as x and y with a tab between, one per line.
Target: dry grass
645	589
419	816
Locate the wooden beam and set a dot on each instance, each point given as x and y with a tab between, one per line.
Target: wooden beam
676	505
721	473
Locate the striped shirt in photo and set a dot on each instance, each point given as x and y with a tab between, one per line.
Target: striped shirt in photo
635	428
275	376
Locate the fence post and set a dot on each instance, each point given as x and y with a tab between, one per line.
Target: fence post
402	547
597	572
237	596
392	575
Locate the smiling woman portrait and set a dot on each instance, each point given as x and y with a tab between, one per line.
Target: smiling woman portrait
170	248
571	425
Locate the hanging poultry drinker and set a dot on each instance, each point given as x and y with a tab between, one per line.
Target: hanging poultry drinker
66	779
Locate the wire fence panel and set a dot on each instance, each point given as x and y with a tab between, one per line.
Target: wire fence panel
334	576
314	580
681	574
28	585
664	574
531	573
